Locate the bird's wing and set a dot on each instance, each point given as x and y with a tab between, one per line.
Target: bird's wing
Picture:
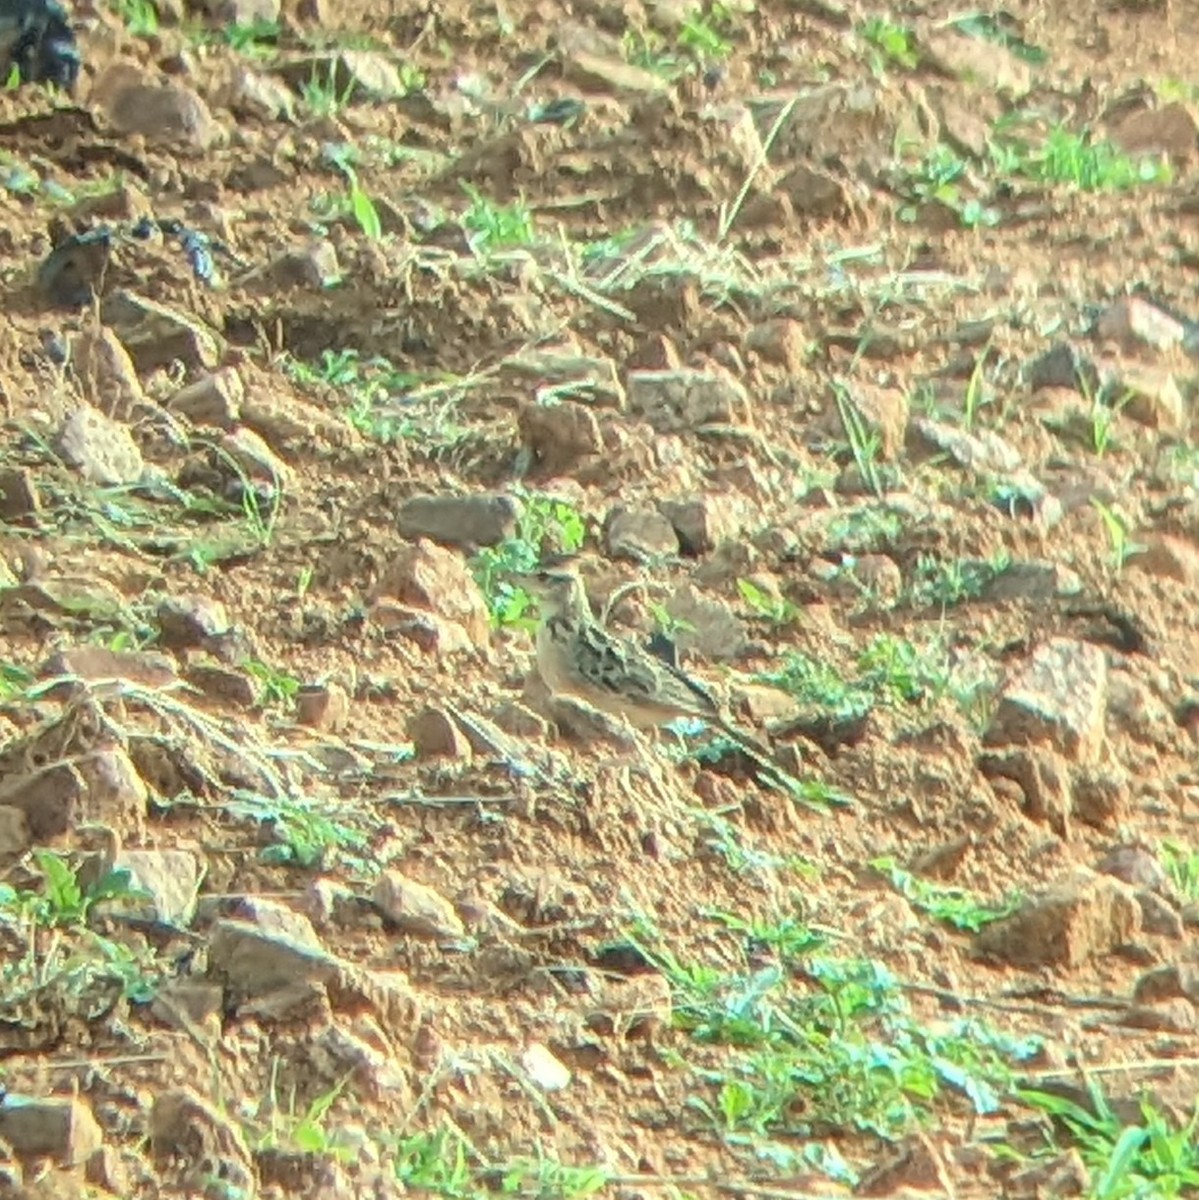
623	669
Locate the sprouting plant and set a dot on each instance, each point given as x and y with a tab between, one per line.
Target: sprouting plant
491	226
545	524
778	610
893	44
276	688
1121	549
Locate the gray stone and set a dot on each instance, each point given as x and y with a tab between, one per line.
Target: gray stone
685	399
484	519
100	449
1059	697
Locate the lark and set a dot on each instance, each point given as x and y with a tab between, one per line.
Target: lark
577	656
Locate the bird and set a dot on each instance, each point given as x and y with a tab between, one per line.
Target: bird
577	656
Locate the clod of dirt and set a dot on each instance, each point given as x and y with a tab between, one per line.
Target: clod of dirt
167	114
106	373
416	908
62	1130
213	399
686	399
1066	926
71	273
1058	696
466	522
561	436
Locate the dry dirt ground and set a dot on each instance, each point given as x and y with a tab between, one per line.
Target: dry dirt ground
859	341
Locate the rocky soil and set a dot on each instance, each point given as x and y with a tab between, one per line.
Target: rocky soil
850	352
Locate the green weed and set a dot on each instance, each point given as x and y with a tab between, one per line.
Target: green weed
954	906
492	226
892	45
320	92
276	688
140	17
305	835
545	525
778	610
1182	866
1120	549
1153	1159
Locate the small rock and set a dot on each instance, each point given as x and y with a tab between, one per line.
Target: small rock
252	94
1064	366
559	372
240	12
686	399
315	267
157	335
984	451
611	75
60	1129
1134	322
361	74
1101	797
560	436
323	706
99	448
115	795
189	1000
1044	779
701	522
431	577
1066	926
15	837
168	114
225	684
1171	1016
520	721
883	414
146	668
1058	696
708	626
1151	396
1168	556
1169	130
416	908
184	1127
214	399
435	734
106	373
433	634
639	534
1035	579
1168	982
49	799
190	620
252	455
1159	917
546	1071
781	341
1136	866
485	519
171	877
19	499
258	961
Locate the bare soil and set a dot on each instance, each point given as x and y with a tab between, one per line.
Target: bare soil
814	270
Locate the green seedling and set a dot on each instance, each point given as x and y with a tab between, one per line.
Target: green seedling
321	94
1153	1158
276	688
546	525
778	610
954	906
1119	547
492	226
140	17
305	834
1181	864
893	45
